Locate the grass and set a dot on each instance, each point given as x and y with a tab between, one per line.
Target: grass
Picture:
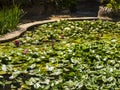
9	19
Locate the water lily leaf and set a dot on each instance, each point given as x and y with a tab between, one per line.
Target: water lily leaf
49	68
57	72
67	55
37	85
47	81
4	67
15	74
33	66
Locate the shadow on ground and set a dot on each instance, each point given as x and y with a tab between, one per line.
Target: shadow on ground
84	9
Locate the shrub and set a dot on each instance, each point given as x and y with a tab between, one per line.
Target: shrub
110	8
114	4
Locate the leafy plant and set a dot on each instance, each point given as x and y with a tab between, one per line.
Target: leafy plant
9	19
114	4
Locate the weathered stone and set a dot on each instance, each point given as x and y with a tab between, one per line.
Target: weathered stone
108	12
105	12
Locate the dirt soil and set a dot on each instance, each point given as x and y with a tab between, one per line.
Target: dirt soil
35	12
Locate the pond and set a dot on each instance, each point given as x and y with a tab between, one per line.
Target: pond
64	55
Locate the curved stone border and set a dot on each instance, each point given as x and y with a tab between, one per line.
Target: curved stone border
24	27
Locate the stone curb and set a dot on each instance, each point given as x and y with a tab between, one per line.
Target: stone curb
24	27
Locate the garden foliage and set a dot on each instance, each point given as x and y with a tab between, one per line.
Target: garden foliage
64	55
114	4
9	19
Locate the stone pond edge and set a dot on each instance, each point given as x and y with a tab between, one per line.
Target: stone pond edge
24	27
